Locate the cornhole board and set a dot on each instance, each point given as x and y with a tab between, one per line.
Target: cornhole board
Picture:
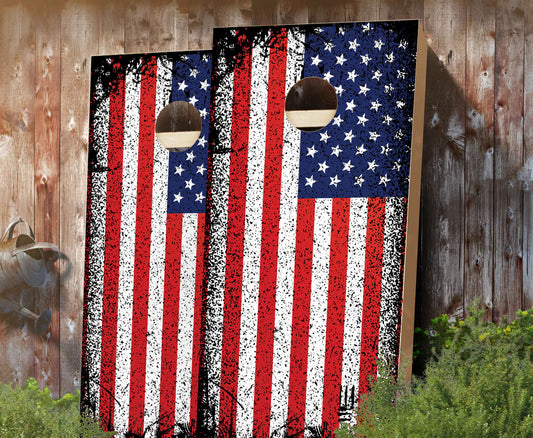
312	234
142	335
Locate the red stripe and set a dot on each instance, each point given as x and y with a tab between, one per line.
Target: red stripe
338	257
141	274
198	330
235	240
372	291
303	271
112	249
270	234
171	307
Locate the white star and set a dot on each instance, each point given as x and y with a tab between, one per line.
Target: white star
378	44
359	180
193	100
336	151
199	197
324	136
337	120
396	165
202	141
316	60
200	169
403	44
352	75
340	59
401	74
375	105
310	181
328	46
182	86
377	75
385	150
348	136
311	151
204	85
334	181
372	165
179	170
327	76
189	184
178	197
203	113
374	135
365	59
361	150
400	104
341	30
367	28
354	45
362	120
194	72
322	167
339	90
399	134
190	156
363	89
347	166
384	180
387	119
388	89
389	57
319	29
350	106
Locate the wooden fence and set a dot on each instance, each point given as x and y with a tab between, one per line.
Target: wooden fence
477	198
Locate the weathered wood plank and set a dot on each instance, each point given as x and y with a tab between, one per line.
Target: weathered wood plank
292	12
201	22
137	30
508	156
228	13
442	211
327	12
78	43
17	45
408	9
365	10
112	28
527	170
479	152
263	13
169	25
47	123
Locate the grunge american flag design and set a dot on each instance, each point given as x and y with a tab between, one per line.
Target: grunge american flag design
306	230
143	304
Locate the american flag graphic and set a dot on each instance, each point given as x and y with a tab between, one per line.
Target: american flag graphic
306	230
143	308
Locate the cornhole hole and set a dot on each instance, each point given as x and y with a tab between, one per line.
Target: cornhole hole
313	202
142	336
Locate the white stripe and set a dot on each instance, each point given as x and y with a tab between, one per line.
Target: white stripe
355	276
286	247
186	318
252	242
318	313
97	251
157	259
217	251
390	279
127	250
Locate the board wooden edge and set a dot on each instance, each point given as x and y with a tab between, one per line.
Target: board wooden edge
405	361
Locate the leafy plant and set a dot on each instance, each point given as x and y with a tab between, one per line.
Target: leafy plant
479	384
30	412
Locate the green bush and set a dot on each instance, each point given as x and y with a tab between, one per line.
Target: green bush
29	412
479	384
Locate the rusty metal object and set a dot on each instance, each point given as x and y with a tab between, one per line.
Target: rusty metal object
23	263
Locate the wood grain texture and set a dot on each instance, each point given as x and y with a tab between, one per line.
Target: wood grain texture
137	27
479	153
47	211
292	12
201	23
78	30
169	22
442	211
508	158
527	170
111	35
16	172
229	13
